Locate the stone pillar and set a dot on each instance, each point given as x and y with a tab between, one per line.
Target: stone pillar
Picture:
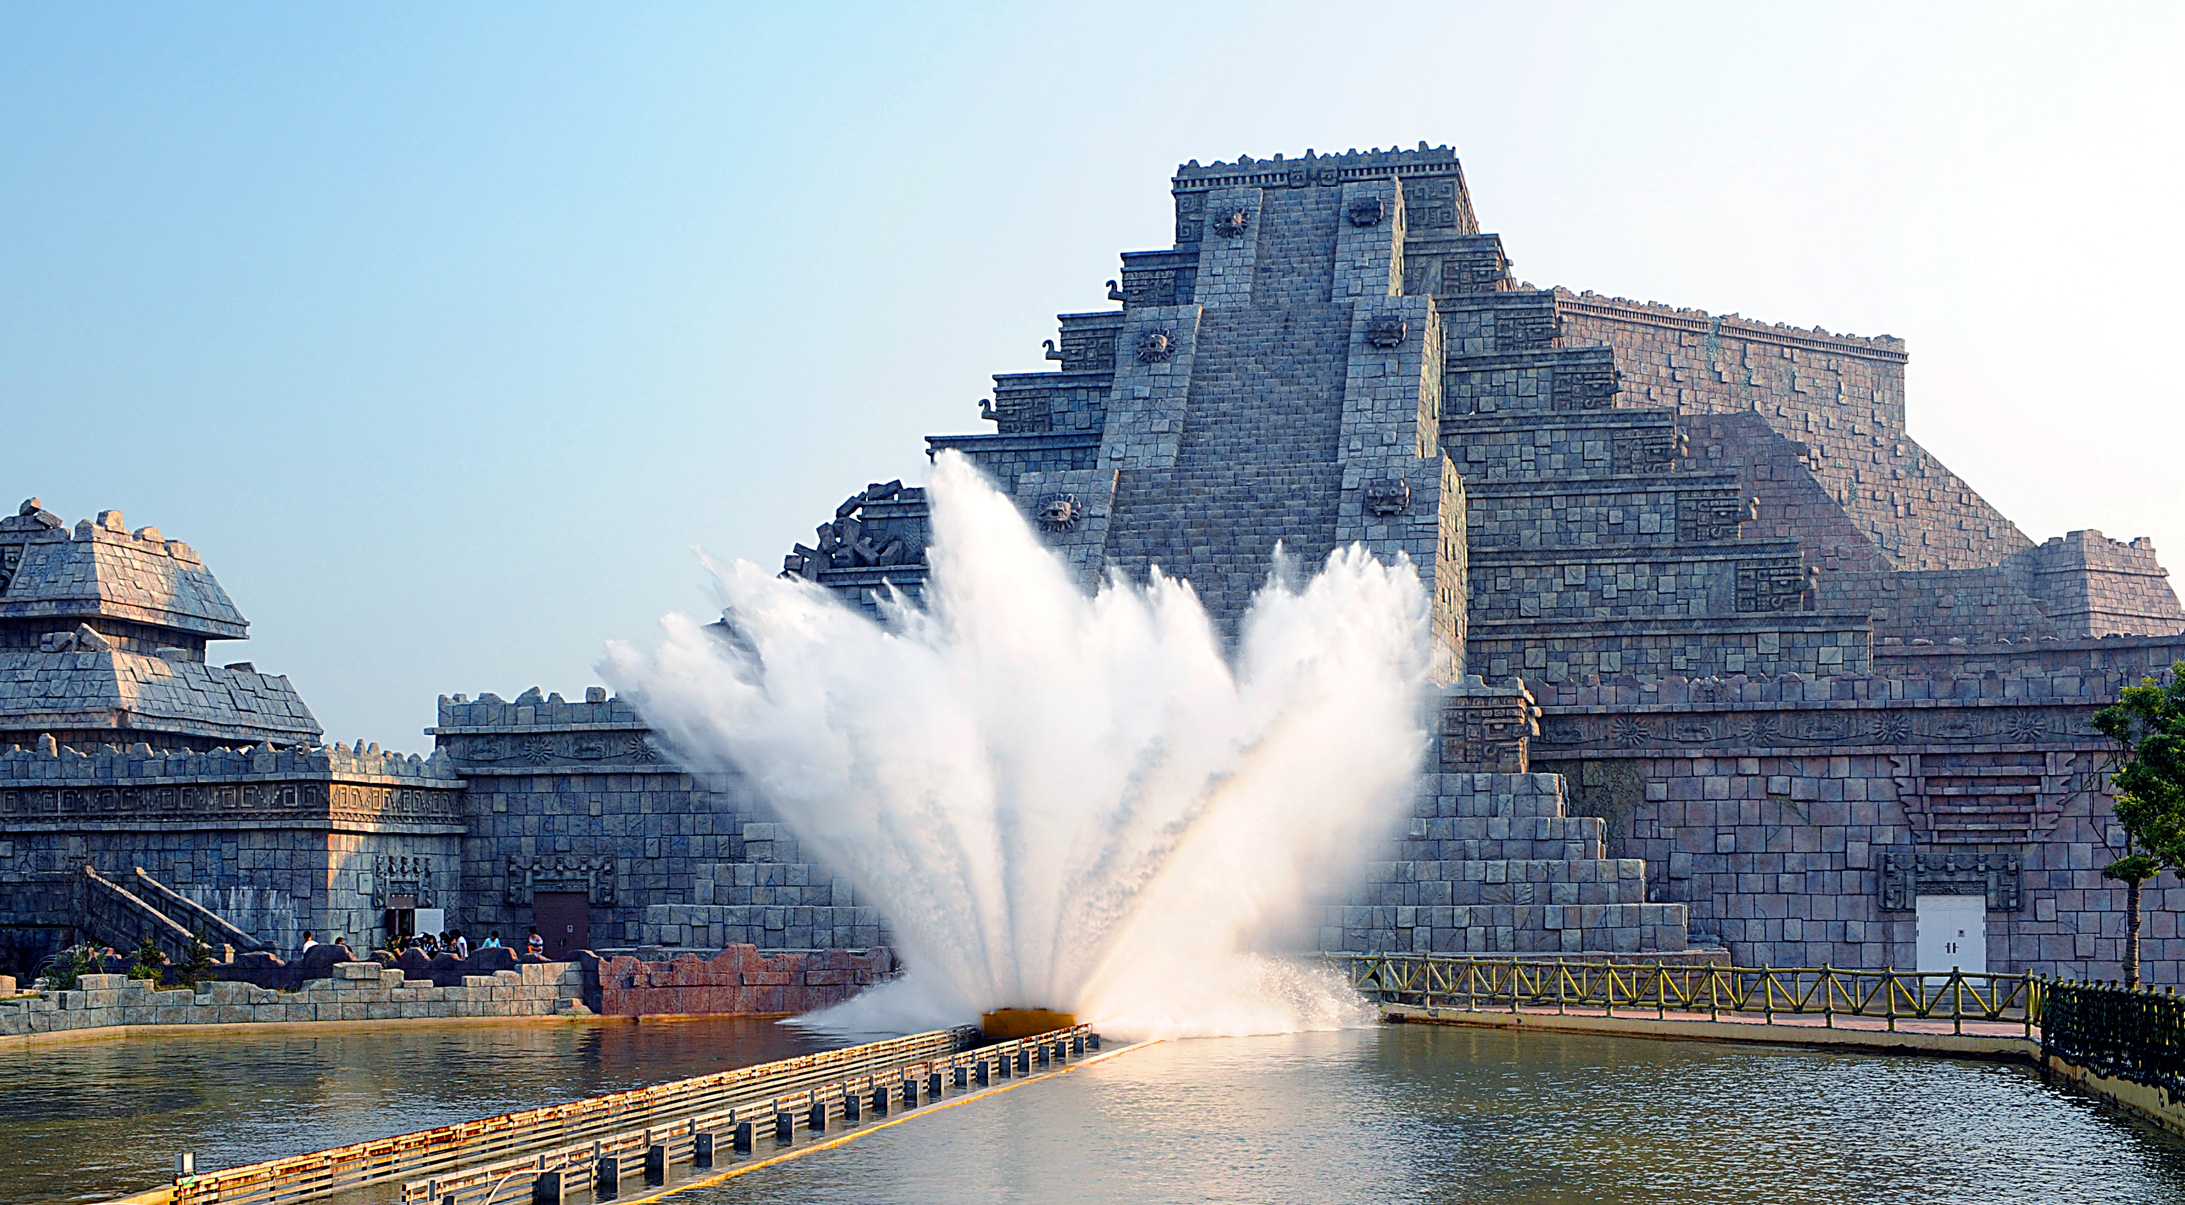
1228	247
1369	241
1153	360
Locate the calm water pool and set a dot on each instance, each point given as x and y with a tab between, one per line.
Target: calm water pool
1402	1113
1425	1113
83	1121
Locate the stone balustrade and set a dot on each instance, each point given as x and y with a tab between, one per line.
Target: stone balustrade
358	991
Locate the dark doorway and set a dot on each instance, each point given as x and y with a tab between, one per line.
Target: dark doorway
564	919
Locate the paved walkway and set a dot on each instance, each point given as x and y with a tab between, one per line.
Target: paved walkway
1979	1039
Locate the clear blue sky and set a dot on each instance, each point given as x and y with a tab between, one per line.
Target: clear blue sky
446	332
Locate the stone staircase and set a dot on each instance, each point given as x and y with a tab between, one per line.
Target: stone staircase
1493	863
773	900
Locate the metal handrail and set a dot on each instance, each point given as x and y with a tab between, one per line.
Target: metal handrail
760	1106
298	1178
1509	984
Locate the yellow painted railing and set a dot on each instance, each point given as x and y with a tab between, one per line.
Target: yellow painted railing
445	1149
1637	986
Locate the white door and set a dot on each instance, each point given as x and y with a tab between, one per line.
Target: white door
1953	933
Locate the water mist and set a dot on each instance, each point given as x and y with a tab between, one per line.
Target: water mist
1062	801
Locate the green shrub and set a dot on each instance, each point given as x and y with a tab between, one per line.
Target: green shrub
151	963
198	967
64	972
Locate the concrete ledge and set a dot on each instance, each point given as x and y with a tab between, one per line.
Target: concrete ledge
1875	1040
92	1033
2152	1104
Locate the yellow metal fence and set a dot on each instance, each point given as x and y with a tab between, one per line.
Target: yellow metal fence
1662	989
444	1149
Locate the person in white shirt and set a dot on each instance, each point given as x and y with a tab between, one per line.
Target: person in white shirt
308	942
462	945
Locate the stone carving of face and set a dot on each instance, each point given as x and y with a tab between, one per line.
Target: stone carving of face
1058	512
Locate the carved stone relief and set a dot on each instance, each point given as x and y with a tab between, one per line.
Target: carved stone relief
1156	346
403	875
1391	497
1909	874
1966	799
1820	729
1772	586
1589	386
1058	512
1713	517
1488	732
1647	451
593	876
1386	330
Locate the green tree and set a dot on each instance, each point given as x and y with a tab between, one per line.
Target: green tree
150	961
2147	780
199	965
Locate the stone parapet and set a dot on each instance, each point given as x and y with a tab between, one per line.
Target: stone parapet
1549	449
738	981
1507	928
1547	653
357	991
58	787
772	926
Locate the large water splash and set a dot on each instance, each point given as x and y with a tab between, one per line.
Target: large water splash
1064	801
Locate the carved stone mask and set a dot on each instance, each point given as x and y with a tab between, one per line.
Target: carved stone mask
1058	512
1156	346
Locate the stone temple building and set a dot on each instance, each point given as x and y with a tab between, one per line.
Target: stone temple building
1730	659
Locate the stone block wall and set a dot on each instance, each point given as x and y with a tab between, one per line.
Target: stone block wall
358	991
275	841
575	796
739	981
2091	585
1840	395
1800	818
773	901
1493	863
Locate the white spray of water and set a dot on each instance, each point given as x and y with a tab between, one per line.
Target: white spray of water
1064	801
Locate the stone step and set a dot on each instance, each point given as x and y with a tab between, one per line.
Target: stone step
1478	838
1505	881
711	927
1490	795
1622	929
771	884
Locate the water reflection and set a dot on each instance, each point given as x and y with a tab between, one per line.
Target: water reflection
1420	1113
83	1121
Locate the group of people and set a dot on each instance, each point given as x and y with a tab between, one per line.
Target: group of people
451	941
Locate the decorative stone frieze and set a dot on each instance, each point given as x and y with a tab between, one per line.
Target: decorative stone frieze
1906	875
593	876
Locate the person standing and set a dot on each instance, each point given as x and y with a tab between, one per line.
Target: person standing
534	946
